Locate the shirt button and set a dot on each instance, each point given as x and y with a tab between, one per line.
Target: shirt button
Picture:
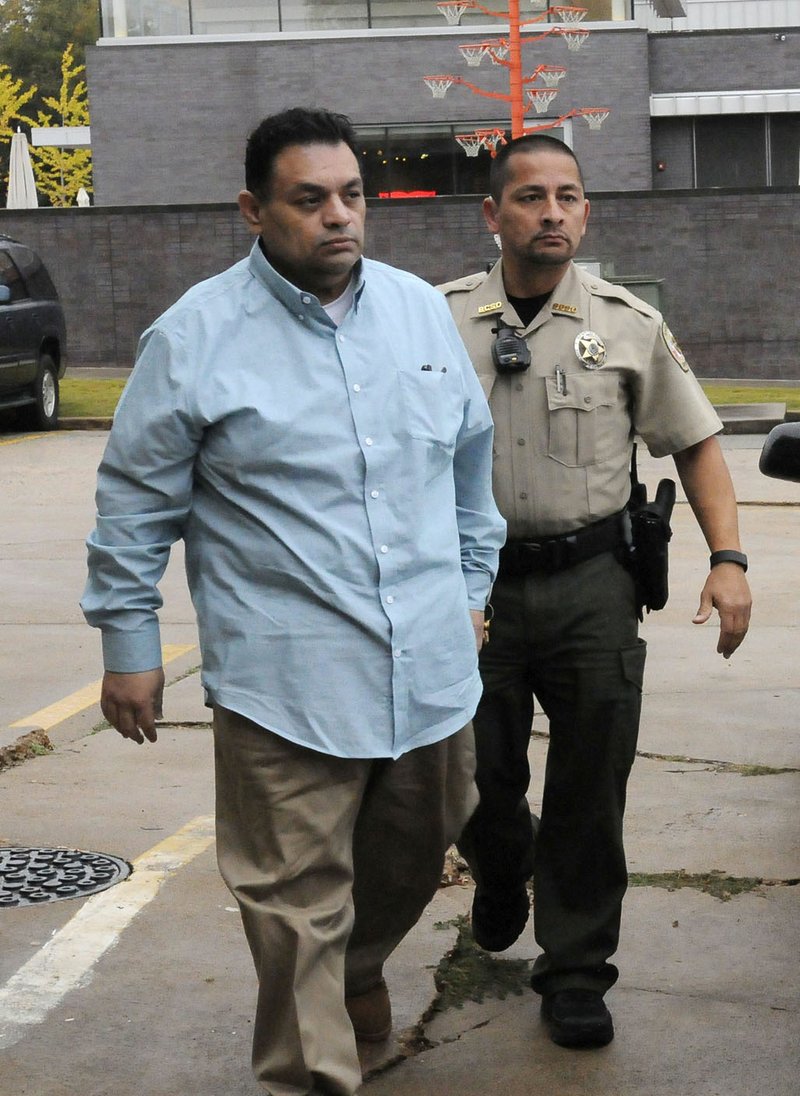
384	549
520	441
356	387
306	300
340	338
520	386
374	494
523	494
368	441
397	652
587	399
390	600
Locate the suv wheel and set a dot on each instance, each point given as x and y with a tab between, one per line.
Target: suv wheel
44	413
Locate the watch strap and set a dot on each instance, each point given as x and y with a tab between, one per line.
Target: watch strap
728	555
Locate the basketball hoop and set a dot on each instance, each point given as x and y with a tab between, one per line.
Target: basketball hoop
491	138
473	54
551	74
438	85
541	98
472	143
595	116
496	50
575	38
570	14
452	10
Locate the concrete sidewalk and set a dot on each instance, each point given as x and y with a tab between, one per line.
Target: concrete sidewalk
707	1001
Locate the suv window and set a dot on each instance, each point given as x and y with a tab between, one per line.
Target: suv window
11	276
34	274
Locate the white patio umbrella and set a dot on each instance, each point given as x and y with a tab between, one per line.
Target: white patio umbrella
21	185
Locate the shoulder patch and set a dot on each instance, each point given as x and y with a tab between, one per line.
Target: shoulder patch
672	345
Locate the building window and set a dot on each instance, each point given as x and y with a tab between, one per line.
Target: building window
424	161
146	18
784	149
747	150
731	151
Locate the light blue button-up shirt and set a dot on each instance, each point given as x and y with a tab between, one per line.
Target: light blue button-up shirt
332	486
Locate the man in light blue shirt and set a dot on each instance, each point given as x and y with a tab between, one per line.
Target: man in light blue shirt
309	423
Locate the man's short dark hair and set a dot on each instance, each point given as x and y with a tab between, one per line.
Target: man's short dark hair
295	126
531	142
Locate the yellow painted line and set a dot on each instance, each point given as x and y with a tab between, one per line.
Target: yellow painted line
23	437
65	962
47	718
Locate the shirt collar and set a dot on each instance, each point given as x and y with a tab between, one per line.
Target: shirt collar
567	299
285	291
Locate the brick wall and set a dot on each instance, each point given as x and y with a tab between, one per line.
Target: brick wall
723	61
169	122
724	256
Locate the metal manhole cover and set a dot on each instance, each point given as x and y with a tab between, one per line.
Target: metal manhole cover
30	877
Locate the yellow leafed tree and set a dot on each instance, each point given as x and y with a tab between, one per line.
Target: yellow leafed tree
12	111
12	101
61	172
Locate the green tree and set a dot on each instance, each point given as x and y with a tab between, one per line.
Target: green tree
61	172
34	34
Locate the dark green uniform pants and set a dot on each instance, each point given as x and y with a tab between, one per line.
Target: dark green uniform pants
572	639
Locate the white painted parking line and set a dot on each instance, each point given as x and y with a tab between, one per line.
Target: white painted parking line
47	718
65	962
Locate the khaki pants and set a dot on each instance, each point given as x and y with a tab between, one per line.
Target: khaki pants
332	860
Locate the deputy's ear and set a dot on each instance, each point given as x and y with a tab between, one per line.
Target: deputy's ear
490	213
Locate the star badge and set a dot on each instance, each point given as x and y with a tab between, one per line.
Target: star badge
590	350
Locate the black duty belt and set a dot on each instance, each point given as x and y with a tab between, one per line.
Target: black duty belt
523	557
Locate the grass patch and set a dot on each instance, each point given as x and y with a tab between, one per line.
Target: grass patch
716	883
760	770
734	393
742	768
34	744
468	973
86	398
89	399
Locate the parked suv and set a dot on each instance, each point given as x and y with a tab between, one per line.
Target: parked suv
32	336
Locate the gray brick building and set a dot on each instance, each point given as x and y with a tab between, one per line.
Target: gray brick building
693	176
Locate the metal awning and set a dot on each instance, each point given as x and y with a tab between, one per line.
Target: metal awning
692	103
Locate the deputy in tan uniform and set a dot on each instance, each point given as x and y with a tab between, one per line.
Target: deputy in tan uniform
573	367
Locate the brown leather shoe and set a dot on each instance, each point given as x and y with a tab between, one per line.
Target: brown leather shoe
370	1014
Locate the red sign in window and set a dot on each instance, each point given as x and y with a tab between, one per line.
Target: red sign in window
407	194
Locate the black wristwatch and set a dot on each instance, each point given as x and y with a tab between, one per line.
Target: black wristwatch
728	555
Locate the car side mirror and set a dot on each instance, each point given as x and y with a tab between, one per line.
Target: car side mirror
780	457
5	294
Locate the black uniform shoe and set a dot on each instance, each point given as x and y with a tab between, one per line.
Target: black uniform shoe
498	918
577	1018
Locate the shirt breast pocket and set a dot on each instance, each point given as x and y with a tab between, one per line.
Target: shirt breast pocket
588	422
433	407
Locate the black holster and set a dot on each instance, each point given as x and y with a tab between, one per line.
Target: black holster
647	532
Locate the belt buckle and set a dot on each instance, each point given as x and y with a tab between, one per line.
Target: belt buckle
558	553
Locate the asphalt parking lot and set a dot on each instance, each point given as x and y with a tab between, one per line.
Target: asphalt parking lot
146	989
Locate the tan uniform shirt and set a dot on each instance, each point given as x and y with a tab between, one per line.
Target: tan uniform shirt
605	367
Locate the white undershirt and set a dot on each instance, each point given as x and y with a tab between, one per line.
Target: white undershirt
338	309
